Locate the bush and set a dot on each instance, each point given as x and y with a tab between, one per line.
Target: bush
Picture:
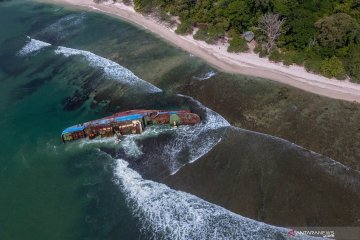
298	58
333	67
292	57
312	60
143	6
261	51
275	56
353	63
238	44
313	65
210	34
356	78
184	28
201	34
288	58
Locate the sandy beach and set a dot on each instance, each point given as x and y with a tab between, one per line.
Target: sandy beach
216	55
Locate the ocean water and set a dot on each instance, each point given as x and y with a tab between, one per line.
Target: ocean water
53	74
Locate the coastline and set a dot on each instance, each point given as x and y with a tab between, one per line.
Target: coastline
216	55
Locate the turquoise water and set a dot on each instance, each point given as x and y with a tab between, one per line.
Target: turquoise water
47	190
55	191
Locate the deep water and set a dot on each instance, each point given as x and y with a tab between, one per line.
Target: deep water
59	67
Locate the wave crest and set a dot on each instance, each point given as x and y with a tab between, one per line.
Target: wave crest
175	147
165	213
111	69
32	46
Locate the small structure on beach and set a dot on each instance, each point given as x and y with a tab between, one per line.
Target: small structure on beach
249	36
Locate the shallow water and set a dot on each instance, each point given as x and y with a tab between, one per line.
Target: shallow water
53	74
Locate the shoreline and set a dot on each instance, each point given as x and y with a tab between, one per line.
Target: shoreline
249	64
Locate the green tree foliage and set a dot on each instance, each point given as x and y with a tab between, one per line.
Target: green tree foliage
184	28
337	30
261	51
333	67
353	63
238	44
312	60
275	56
210	35
316	33
143	6
239	14
293	57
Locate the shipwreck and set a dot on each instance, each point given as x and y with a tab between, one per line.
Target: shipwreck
128	122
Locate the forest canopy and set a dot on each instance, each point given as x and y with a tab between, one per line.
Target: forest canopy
322	35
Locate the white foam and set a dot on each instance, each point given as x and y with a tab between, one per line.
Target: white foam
32	46
185	144
64	27
130	147
129	144
97	142
198	139
206	76
111	69
168	214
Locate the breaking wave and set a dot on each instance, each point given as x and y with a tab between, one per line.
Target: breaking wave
132	149
32	46
165	213
175	147
199	139
111	69
206	76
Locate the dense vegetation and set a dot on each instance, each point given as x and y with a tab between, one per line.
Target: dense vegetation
322	35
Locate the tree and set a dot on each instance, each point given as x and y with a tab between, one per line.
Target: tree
184	28
275	56
263	5
314	31
337	30
271	26
238	12
238	44
353	63
301	30
285	7
333	67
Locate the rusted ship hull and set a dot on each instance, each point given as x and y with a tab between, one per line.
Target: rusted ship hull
128	122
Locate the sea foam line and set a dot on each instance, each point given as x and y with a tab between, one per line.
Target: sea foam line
165	213
32	46
191	141
111	69
194	141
